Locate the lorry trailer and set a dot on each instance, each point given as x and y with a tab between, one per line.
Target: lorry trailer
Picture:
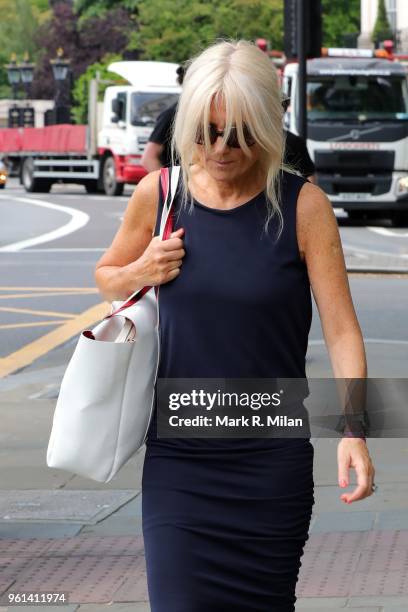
106	153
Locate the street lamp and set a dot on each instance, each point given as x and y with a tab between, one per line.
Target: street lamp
13	74
60	66
60	69
27	71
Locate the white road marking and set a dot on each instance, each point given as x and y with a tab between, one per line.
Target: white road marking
367	341
78	220
358	249
387	232
68	250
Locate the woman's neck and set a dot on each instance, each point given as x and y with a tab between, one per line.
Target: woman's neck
224	192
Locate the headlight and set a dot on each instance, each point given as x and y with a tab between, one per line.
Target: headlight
402	185
3	177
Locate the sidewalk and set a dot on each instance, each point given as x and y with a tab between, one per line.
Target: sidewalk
61	533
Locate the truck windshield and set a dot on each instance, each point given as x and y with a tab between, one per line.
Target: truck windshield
357	97
146	107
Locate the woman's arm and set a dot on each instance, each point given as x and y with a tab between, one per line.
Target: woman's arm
135	259
320	242
320	245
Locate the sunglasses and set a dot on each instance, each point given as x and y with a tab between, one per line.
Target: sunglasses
232	141
285	104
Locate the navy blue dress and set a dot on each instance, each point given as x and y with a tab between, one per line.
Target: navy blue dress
225	520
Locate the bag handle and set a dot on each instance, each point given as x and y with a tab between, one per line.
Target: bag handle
168	181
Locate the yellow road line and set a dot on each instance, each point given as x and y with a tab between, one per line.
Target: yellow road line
36	324
28	295
39	347
40	313
8	288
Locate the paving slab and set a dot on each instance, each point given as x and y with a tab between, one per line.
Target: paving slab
27	531
87	579
379	600
343	521
321	603
127	607
85	507
115	525
64	608
392	519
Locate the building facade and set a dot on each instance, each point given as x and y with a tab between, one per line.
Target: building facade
397	11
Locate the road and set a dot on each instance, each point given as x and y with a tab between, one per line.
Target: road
50	244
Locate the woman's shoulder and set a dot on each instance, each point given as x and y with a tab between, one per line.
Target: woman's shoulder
314	214
309	195
143	204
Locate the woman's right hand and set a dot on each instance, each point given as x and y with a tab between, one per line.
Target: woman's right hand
161	260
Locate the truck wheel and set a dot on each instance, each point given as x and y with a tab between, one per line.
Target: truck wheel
31	184
111	186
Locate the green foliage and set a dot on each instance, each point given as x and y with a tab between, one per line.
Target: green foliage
96	8
18	26
382	29
340	17
81	87
173	30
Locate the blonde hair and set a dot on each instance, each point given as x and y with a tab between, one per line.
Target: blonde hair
244	77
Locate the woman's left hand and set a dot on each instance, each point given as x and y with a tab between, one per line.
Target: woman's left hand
353	452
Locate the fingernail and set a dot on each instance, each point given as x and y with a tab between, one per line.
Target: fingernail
342	483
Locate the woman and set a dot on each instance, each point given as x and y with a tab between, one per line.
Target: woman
225	520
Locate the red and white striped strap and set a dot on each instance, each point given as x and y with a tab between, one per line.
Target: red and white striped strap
169	182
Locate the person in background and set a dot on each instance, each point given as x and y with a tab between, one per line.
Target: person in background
157	152
296	153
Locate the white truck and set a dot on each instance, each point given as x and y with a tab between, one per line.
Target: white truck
106	153
357	129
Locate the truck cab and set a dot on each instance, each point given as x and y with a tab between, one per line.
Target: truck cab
357	129
129	115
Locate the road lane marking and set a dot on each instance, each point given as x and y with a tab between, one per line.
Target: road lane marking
367	341
47	294
387	232
34	324
78	220
39	288
68	250
39	313
41	346
358	249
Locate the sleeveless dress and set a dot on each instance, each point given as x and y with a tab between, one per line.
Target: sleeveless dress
225	520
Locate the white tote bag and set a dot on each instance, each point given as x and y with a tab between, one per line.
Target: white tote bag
106	397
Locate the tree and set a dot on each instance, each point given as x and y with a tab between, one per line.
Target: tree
339	18
84	43
96	8
18	26
81	88
173	30
382	29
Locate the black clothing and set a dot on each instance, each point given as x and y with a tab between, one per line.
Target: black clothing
297	155
225	520
162	134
